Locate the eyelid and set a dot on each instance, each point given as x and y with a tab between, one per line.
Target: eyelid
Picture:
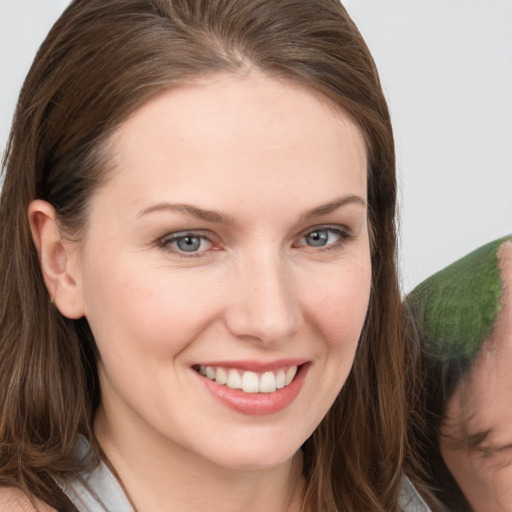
344	233
164	242
489	450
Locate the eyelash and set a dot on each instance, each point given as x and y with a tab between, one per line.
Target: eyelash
342	234
166	242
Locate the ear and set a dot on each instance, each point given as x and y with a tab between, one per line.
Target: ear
58	259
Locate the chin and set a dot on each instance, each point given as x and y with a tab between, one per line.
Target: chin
253	455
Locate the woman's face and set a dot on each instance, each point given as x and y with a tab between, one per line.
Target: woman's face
231	241
476	436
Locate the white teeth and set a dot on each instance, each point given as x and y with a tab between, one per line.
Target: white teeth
234	380
290	374
267	383
280	379
221	376
250	382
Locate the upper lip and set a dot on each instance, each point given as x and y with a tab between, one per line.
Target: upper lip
255	365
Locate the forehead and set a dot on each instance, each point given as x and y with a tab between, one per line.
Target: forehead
258	101
248	131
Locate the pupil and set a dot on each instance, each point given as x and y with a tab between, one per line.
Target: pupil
317	238
189	243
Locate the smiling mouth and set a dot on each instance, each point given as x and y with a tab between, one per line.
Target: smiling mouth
248	381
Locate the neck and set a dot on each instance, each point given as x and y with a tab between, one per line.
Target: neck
159	475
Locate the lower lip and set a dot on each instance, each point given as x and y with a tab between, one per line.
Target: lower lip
257	404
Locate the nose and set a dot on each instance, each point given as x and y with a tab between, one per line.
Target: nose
265	303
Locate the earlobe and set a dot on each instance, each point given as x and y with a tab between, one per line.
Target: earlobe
57	259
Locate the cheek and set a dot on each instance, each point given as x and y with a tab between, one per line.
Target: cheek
340	304
149	312
337	311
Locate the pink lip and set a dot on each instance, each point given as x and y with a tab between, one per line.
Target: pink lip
257	404
255	365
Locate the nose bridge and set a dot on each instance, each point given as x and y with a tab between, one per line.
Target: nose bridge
266	305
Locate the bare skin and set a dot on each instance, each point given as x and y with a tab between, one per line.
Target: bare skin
233	235
14	500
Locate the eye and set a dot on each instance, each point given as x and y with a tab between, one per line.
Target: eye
318	238
186	243
325	237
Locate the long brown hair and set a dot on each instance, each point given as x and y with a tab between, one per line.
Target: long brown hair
100	62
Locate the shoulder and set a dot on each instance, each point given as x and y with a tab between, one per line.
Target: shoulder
15	500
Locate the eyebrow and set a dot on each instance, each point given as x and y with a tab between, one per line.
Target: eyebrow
216	217
194	211
477	441
332	206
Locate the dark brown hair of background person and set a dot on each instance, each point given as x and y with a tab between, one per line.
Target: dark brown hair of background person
101	62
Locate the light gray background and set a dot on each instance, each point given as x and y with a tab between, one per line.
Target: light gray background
446	68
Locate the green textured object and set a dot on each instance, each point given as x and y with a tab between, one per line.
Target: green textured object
456	308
